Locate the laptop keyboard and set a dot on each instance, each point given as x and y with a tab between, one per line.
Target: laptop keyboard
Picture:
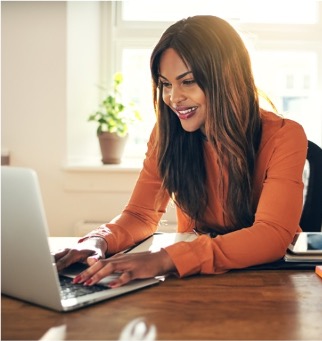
71	290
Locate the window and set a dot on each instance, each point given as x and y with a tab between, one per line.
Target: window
251	11
293	86
284	39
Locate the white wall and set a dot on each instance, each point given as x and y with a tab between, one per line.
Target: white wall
83	75
35	88
33	105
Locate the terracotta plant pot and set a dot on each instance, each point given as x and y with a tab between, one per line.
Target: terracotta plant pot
112	147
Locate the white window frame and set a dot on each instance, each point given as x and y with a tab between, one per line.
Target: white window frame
276	37
117	35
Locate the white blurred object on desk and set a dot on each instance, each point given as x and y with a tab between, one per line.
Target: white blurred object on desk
55	333
138	330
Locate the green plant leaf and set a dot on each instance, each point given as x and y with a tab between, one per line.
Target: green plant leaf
113	115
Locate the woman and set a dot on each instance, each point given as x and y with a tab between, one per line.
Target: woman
233	170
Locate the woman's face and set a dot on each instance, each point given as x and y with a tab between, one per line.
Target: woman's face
181	92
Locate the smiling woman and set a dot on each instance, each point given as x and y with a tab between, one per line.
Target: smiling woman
233	169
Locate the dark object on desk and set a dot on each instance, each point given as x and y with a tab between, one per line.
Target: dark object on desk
311	219
304	253
284	265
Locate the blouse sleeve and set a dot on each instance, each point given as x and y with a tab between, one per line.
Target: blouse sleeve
277	215
142	214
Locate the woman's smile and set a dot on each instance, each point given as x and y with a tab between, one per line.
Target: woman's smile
185	113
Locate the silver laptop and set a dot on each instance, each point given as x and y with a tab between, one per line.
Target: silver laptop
28	269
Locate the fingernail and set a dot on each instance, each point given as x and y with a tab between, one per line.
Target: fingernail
77	279
88	282
112	284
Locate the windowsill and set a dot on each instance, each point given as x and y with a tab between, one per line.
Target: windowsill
95	177
126	166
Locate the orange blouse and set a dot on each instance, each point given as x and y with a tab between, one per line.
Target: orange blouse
278	196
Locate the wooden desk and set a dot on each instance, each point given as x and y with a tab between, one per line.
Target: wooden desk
237	305
248	305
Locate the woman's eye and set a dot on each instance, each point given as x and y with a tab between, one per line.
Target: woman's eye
189	81
168	85
165	84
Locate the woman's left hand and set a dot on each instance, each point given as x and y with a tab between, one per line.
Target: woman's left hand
129	265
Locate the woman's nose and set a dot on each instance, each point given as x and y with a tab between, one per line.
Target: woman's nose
176	95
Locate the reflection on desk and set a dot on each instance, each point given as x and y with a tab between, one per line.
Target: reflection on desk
257	305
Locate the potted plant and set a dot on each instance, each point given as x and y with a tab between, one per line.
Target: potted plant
114	118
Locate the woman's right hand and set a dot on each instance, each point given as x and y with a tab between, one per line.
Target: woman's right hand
89	251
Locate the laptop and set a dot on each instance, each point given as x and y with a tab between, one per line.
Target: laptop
28	270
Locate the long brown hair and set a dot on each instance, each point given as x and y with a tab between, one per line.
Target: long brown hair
220	63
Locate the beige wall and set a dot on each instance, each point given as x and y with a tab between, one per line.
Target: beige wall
33	107
35	118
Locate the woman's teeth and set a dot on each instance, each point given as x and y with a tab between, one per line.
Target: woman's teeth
186	113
